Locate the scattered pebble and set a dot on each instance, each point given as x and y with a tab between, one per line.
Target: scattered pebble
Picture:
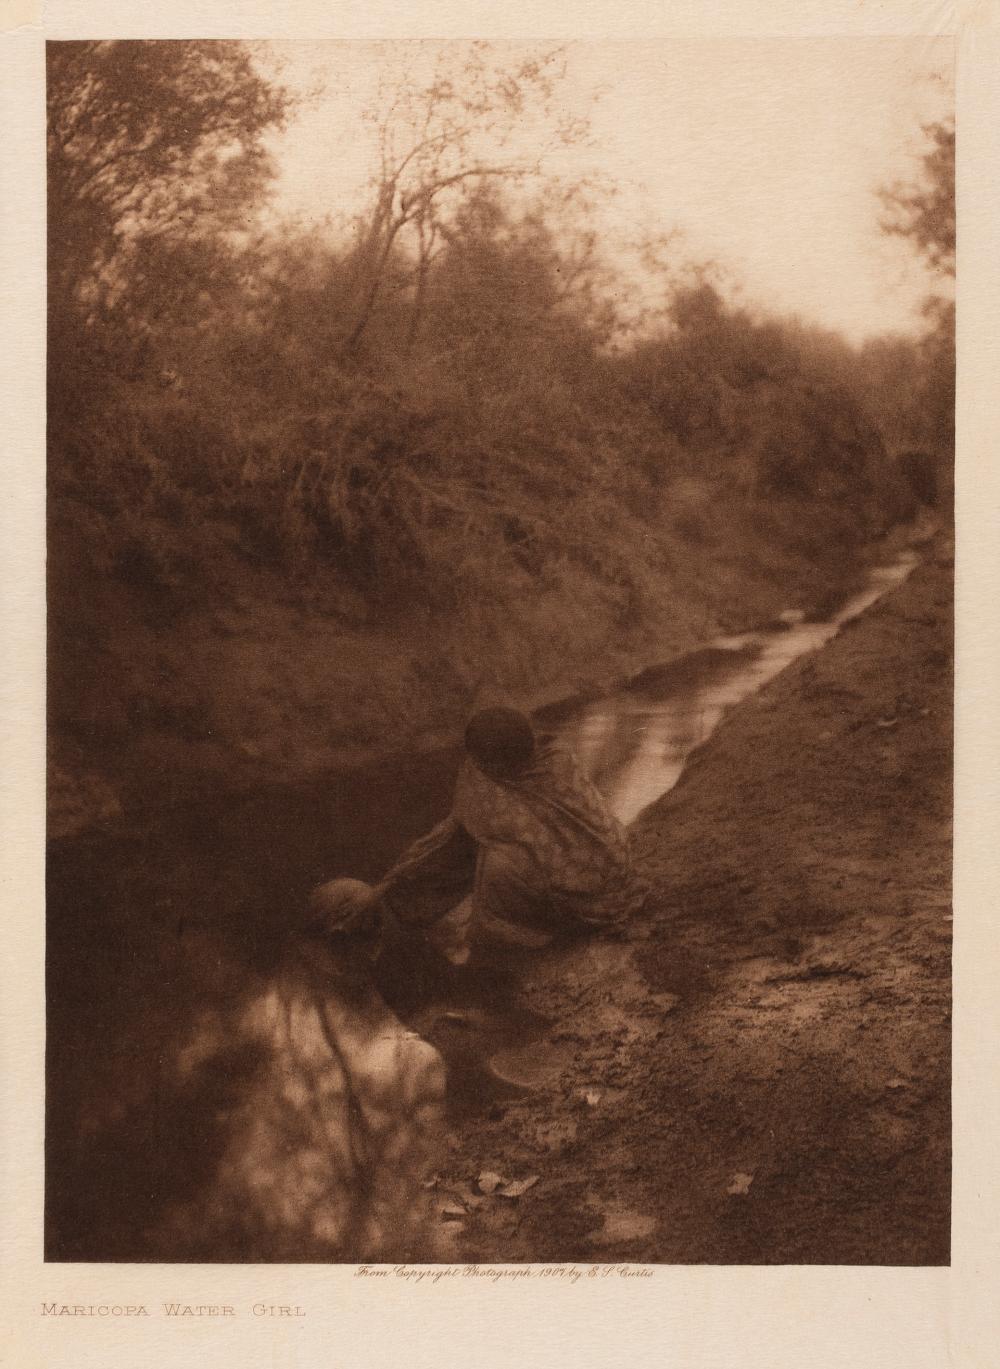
516	1187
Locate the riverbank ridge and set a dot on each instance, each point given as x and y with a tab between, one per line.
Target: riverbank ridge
784	859
760	1072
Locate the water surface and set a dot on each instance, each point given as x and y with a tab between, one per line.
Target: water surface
160	931
634	742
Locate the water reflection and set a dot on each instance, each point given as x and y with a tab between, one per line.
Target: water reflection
326	1132
330	1142
634	743
205	1107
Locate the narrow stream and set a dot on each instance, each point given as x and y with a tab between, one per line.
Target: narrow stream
160	934
634	743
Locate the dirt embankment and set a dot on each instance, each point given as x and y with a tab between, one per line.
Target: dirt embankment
759	1072
249	678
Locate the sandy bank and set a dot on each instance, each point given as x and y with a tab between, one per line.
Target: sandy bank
761	1071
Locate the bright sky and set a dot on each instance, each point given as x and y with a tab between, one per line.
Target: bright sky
765	153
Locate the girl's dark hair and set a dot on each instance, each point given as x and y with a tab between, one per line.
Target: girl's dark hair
501	742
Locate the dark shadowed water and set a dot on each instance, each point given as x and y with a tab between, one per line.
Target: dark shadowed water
163	926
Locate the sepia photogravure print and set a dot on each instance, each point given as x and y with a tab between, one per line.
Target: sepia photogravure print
500	549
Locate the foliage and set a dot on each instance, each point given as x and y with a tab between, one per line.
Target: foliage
769	408
148	142
429	135
492	432
924	211
156	159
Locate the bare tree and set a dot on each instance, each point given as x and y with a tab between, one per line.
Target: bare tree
439	139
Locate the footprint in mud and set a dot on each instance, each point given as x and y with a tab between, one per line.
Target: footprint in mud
530	1066
492	1055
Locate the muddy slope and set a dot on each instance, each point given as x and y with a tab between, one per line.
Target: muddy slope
760	1071
255	679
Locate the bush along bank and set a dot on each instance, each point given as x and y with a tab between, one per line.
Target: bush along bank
266	681
313	491
273	553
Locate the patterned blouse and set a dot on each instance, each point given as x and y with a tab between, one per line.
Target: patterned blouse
547	837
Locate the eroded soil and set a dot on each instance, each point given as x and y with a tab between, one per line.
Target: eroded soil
759	1070
756	1071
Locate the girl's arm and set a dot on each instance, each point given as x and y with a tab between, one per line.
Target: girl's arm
434	874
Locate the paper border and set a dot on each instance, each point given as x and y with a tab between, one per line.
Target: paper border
697	1315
